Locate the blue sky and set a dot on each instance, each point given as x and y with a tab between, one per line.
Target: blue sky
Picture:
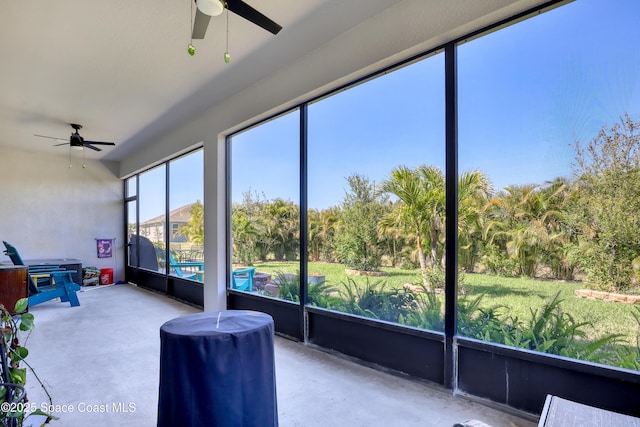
527	92
185	185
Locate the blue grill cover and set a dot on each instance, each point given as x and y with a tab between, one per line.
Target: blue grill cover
217	369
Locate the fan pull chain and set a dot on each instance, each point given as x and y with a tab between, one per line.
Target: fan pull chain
191	50
227	57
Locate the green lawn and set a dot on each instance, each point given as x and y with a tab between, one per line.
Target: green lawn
334	273
517	295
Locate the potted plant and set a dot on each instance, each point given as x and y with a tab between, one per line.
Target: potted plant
14	406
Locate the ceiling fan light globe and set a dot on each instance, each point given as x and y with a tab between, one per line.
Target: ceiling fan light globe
77	147
210	7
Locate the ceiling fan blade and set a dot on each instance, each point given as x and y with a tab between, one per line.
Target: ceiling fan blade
98	142
57	145
200	24
50	137
250	14
92	147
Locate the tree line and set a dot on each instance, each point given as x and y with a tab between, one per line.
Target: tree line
586	226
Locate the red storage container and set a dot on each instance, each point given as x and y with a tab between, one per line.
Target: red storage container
106	276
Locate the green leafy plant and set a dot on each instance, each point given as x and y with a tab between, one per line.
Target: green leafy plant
288	286
552	330
628	357
374	300
319	294
481	323
428	311
13	355
549	329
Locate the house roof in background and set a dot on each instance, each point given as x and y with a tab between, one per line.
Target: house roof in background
179	215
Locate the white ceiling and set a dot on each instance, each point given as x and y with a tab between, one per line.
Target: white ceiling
120	68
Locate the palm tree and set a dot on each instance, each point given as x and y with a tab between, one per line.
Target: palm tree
244	234
562	251
412	213
473	191
313	234
194	229
284	219
434	188
422	208
329	223
393	234
322	228
527	219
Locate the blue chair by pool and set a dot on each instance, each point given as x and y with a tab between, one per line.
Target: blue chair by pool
185	269
242	279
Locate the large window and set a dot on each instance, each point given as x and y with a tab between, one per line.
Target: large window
377	197
174	247
152	226
186	217
375	246
538	125
265	211
549	112
131	210
548	191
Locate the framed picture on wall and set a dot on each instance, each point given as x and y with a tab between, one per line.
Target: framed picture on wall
105	248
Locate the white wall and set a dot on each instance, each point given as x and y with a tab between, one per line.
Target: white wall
48	210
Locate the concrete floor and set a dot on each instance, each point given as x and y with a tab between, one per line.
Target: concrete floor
100	364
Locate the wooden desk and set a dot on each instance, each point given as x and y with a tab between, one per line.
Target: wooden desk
560	412
13	285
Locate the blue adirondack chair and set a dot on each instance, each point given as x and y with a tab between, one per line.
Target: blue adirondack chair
242	279
57	283
62	287
188	267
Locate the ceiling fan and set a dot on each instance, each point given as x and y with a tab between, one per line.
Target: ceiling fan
76	142
208	8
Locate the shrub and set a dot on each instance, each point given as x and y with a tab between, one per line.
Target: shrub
427	313
608	171
320	294
628	357
548	330
358	243
375	301
498	262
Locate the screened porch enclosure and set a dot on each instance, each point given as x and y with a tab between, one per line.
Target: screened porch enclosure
441	217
